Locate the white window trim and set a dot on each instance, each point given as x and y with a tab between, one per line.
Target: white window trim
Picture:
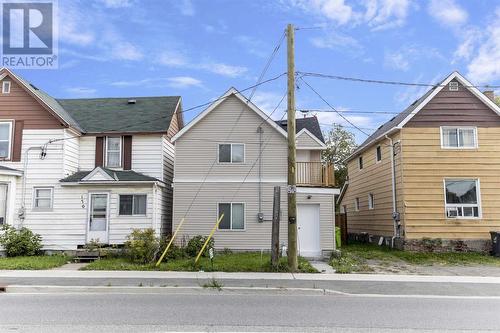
4	84
361	163
106	153
9	151
41	209
476	142
231	153
455	86
231	217
479	204
376	154
356	204
133	215
371	201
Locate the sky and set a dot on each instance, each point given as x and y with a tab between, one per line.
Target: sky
200	48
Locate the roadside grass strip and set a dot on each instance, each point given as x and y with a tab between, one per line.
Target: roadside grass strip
33	263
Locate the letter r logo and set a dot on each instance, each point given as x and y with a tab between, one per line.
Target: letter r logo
27	28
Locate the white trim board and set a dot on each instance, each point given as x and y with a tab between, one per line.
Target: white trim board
237	94
318	190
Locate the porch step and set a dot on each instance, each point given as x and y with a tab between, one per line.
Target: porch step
86	256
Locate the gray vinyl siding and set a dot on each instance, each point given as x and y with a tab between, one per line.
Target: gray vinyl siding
305	140
167	192
196	150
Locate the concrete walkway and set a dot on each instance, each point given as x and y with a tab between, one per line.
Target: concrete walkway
322	267
74	266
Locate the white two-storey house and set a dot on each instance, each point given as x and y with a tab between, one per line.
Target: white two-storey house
78	170
229	159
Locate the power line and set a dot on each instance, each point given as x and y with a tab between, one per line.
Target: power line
331	106
346	126
400	83
349	111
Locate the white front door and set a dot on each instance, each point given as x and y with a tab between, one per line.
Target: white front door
98	222
308	230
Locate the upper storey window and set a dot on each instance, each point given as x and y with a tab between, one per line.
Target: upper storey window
231	153
5	139
459	137
113	152
6	87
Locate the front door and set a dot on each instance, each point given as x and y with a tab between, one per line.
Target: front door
97	226
308	230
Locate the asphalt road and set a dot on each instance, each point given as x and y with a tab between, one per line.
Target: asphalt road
232	311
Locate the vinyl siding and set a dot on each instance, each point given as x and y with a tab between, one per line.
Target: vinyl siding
87	153
71	147
196	150
168	175
425	167
147	155
19	105
256	236
375	178
305	140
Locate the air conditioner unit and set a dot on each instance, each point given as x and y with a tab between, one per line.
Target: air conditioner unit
452	212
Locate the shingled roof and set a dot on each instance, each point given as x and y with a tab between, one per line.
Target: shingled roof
102	115
118	175
309	123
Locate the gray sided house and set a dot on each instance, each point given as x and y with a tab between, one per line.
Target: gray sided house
82	170
229	159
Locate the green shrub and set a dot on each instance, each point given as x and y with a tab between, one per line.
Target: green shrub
22	242
174	252
142	246
196	243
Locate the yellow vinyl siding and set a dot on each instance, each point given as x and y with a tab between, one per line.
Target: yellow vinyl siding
375	178
426	165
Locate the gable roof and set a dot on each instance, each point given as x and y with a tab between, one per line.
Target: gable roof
231	92
114	176
47	101
401	119
309	123
104	115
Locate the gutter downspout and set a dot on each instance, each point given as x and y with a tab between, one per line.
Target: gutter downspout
22	210
395	214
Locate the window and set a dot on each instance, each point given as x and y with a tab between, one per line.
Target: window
343	209
133	204
113	152
459	137
231	153
461	198
360	162
234	216
371	203
6	87
379	154
42	198
356	204
453	86
5	139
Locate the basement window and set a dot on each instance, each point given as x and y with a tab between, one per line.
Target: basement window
462	198
453	86
6	87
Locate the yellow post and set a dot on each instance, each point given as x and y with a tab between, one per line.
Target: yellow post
209	237
169	243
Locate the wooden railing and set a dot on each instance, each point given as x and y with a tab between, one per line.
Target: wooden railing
317	174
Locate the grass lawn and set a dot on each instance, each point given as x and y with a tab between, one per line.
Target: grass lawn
232	262
355	258
35	262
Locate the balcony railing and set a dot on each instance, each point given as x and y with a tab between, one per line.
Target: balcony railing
316	174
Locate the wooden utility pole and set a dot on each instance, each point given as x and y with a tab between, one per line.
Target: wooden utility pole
275	235
292	189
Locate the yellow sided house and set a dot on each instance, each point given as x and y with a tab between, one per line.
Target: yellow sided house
431	172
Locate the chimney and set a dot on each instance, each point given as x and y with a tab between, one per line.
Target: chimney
490	94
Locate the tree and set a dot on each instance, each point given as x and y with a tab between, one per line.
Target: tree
497	100
340	144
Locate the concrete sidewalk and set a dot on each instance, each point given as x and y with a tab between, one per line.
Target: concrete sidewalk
349	284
